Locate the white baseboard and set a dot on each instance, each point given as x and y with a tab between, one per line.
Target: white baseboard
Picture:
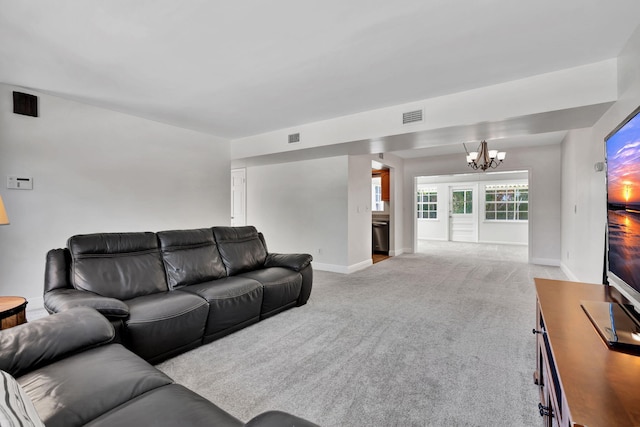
35	308
343	269
397	252
360	266
490	242
566	270
545	261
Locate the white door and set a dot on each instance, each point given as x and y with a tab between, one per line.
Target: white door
462	218
238	197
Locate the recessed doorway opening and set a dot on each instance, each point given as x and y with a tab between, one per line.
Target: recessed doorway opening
488	209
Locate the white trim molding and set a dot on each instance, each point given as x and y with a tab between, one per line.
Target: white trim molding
545	261
566	270
343	269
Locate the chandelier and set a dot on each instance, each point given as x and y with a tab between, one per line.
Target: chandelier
484	158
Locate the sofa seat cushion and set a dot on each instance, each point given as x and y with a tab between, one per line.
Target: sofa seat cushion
234	302
75	390
161	325
16	408
281	288
278	419
169	406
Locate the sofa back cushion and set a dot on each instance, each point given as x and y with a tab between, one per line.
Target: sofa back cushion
241	248
56	270
117	265
190	257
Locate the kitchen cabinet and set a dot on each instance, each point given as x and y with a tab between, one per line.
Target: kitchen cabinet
385	178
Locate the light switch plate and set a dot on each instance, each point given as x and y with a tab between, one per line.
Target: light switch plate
19	183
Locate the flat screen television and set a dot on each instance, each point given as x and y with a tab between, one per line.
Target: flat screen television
623	207
619	324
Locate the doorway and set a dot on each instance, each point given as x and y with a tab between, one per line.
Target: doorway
381	204
238	197
488	208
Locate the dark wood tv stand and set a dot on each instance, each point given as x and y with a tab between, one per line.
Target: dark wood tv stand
582	382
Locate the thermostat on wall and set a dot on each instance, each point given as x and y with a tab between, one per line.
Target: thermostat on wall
19	183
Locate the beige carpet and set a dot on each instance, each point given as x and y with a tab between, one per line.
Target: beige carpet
441	338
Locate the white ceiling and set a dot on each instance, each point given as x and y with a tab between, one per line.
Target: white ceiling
239	68
548	138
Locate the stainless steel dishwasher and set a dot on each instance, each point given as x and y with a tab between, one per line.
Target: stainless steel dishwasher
380	237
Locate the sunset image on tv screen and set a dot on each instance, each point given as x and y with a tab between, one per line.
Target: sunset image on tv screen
623	202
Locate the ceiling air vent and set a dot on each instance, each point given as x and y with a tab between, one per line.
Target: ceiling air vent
412	117
294	137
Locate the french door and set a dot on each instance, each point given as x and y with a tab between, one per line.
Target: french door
463	220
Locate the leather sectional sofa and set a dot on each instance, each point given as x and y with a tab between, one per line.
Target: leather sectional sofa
67	368
170	291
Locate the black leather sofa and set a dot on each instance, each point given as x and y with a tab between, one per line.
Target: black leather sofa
170	291
74	375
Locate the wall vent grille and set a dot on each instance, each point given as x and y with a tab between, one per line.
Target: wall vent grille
25	104
411	117
294	137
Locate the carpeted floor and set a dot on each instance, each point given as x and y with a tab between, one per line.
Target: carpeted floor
440	338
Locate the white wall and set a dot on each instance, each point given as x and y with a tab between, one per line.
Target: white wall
321	207
542	162
96	170
396	206
302	207
512	233
359	213
583	206
584	190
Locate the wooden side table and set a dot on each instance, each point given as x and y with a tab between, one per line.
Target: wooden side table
12	311
582	382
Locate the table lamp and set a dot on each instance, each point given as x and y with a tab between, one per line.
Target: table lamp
4	219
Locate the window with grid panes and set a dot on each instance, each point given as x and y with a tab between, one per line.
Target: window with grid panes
376	194
507	202
427	204
462	201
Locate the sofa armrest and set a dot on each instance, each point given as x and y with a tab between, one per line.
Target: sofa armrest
295	262
59	300
31	345
279	419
